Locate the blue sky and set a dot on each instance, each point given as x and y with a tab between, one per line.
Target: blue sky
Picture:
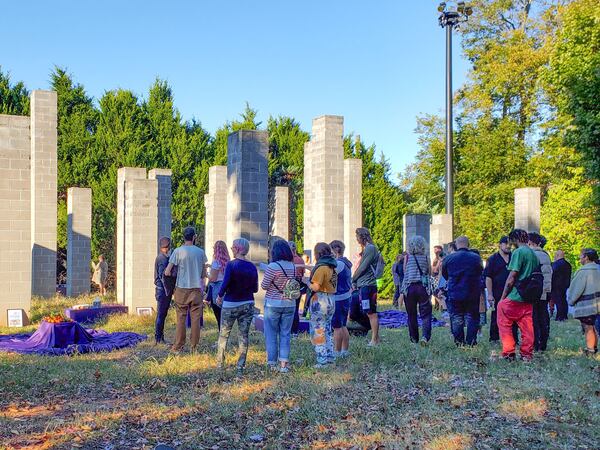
379	64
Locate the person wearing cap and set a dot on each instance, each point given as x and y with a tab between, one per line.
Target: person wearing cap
163	301
496	273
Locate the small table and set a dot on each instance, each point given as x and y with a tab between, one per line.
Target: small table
90	315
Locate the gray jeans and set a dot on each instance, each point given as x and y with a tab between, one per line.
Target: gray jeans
243	314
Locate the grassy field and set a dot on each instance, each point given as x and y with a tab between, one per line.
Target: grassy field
395	396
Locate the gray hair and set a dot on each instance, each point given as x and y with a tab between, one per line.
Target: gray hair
462	242
241	246
417	245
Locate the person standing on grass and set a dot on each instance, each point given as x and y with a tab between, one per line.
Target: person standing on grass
323	284
398	277
235	298
584	297
462	270
299	264
189	287
100	274
496	273
365	282
216	276
416	289
512	307
341	336
561	280
279	306
163	301
541	317
436	265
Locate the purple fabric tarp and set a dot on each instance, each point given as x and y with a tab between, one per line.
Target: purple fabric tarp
392	318
67	338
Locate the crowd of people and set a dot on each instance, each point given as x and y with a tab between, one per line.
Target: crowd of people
523	288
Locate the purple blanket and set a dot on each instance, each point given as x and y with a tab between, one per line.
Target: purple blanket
67	338
392	318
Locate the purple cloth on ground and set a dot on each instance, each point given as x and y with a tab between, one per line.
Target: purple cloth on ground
392	318
67	338
93	314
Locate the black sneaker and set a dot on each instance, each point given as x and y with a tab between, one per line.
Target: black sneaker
510	358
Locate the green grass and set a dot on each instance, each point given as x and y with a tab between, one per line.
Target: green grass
398	395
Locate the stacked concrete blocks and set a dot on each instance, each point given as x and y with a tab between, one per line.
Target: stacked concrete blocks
248	190
280	225
527	209
165	195
441	231
352	202
79	240
416	225
215	202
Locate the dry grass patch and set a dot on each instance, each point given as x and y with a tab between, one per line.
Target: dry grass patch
457	441
527	411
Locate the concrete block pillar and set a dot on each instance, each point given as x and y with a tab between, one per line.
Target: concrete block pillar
141	228
527	209
15	214
323	182
79	240
124	174
43	192
281	213
248	190
215	203
440	231
415	225
165	196
352	203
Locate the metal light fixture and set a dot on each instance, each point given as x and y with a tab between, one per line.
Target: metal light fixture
452	14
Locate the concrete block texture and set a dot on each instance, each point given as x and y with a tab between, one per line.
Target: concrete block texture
124	174
527	209
43	192
416	225
323	182
440	231
141	229
215	202
79	240
352	203
280	224
248	190
165	196
15	214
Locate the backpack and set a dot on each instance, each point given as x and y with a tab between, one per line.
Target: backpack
532	287
379	267
292	288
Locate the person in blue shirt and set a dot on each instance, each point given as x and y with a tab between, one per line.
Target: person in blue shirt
163	301
341	336
462	269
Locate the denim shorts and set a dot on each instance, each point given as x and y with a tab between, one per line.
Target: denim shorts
340	316
369	292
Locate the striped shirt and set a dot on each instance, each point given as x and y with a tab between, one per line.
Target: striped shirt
274	281
411	270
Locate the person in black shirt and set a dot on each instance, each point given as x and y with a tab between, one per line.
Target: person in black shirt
162	299
495	274
561	280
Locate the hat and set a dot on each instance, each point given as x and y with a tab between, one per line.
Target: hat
503	240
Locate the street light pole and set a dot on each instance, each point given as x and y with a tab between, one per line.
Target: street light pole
451	15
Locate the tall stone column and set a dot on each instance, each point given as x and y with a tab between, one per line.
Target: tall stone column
215	202
440	231
527	209
416	225
79	240
124	174
352	203
141	228
248	190
43	192
15	215
281	213
323	182
165	196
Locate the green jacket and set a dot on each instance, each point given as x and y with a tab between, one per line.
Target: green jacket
584	292
364	275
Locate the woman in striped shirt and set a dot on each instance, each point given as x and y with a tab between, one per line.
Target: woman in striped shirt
414	288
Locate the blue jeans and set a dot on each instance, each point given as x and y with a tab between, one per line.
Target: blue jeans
278	332
162	308
464	313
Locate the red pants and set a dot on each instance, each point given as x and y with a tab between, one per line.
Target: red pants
510	312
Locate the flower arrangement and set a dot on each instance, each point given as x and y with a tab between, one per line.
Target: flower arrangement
56	318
